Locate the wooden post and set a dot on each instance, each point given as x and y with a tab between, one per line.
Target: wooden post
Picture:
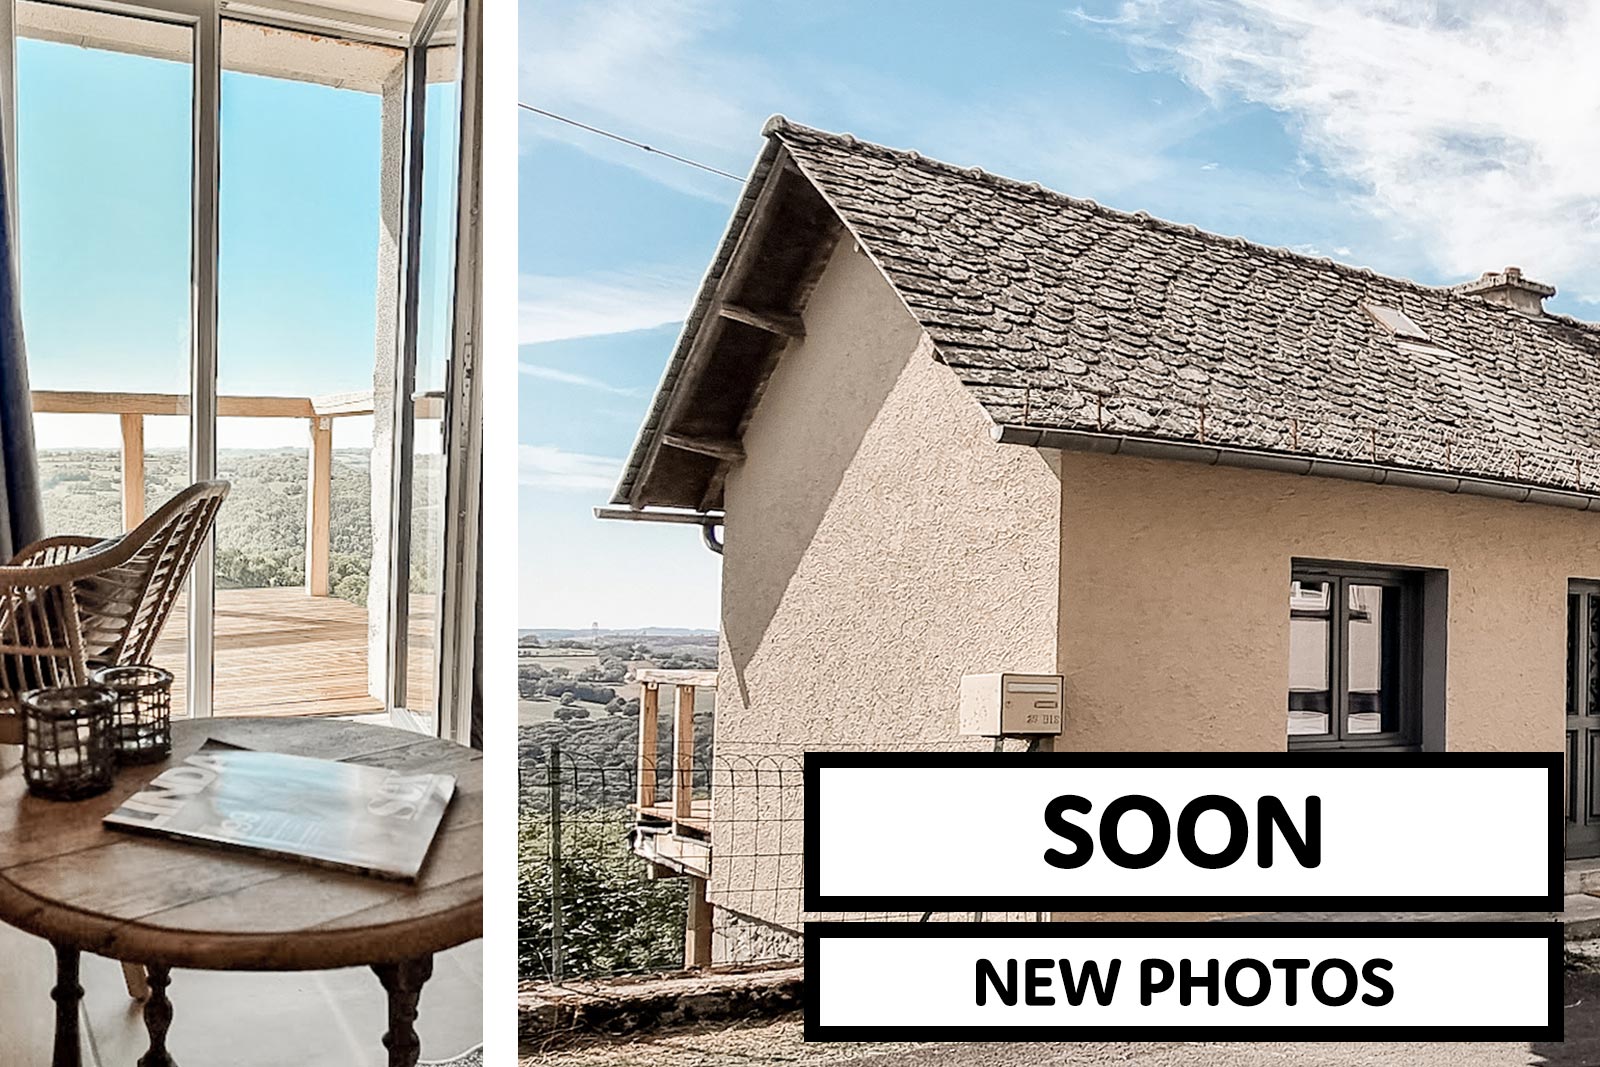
649	708
132	470
557	935
319	505
682	755
697	930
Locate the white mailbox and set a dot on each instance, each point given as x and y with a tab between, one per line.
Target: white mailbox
1011	705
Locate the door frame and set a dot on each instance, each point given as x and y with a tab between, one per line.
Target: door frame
453	623
456	659
205	18
1577	786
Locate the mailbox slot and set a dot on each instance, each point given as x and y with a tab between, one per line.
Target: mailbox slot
1011	705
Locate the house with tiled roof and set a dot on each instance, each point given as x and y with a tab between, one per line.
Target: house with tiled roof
1239	497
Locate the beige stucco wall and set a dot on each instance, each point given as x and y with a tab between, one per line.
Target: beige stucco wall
878	546
1175	585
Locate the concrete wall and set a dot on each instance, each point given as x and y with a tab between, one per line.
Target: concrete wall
386	351
878	546
1175	590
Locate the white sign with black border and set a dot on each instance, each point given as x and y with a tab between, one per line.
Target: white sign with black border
1186	981
1332	831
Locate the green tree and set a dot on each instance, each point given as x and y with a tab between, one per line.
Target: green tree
614	921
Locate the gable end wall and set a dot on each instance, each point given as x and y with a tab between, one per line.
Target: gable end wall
878	546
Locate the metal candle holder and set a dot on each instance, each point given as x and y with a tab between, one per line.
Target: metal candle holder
67	750
141	727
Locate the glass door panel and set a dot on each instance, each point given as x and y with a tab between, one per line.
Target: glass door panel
105	121
436	294
312	162
335	261
1581	797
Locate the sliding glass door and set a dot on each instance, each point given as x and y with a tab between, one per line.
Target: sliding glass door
417	685
289	328
104	134
312	135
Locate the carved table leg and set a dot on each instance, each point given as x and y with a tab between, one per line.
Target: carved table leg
157	1017
403	982
67	994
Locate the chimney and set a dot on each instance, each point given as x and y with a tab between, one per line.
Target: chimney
1509	288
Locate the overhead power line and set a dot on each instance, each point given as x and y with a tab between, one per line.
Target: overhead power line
628	141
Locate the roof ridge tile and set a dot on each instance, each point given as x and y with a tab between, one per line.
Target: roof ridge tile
787	129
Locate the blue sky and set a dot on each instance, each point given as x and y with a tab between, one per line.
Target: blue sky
1433	140
104	162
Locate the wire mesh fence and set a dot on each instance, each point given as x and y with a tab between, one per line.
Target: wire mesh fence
592	905
588	905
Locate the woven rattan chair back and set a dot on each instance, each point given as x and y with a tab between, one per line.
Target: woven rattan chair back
68	604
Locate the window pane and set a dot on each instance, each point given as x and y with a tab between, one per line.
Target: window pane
1373	672
434	314
105	117
1592	666
1310	618
1574	621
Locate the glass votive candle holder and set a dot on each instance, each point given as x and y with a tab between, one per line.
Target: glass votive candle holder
67	751
141	723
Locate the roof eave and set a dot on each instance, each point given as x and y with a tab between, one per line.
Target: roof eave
646	440
1220	455
745	315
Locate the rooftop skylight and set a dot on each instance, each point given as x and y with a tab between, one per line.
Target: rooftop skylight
1397	322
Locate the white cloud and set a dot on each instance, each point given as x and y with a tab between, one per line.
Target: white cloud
549	467
1467	128
554	308
645	69
582	381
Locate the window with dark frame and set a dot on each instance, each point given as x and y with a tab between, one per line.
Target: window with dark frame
1581	760
1355	657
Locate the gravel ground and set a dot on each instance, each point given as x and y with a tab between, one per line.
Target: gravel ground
779	1042
774	1041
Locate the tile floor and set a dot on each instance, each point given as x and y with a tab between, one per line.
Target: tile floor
243	1020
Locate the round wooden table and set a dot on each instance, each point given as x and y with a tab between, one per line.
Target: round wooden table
164	904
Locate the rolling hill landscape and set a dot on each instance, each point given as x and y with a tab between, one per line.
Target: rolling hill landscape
261	530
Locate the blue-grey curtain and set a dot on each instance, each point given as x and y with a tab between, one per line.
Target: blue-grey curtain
21	511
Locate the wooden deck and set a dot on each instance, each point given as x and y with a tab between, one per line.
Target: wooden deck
281	652
699	818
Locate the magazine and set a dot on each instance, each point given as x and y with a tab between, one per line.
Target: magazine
371	820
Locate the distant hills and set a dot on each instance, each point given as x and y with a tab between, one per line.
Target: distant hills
261	530
548	634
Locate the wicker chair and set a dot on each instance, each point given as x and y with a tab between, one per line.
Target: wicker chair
69	604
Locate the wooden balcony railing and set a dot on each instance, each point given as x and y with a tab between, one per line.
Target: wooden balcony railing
318	412
675	837
680	809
